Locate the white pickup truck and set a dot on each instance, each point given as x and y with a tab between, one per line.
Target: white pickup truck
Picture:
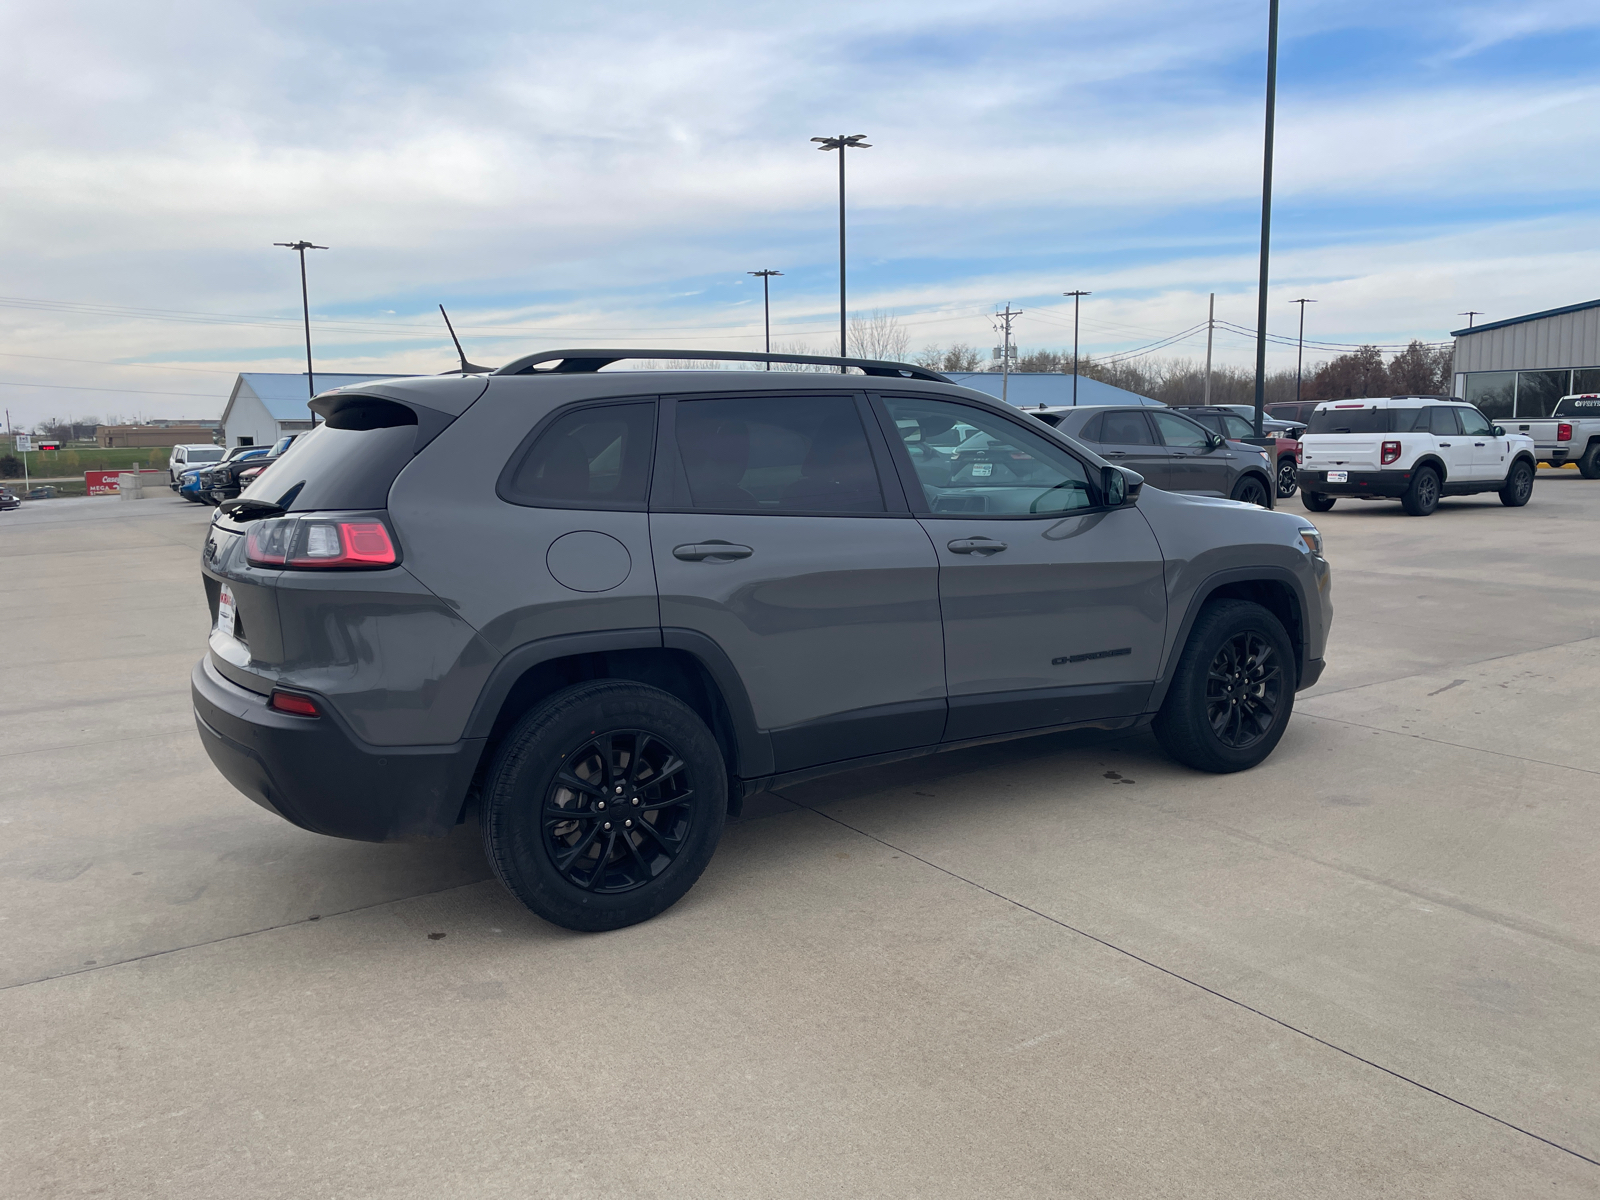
1571	433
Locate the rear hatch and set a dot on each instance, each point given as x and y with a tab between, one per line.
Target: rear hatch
309	546
1348	436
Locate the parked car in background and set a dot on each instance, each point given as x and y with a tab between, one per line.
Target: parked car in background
599	609
195	483
9	499
1297	411
1413	449
1269	423
1172	452
1225	419
1571	433
222	482
188	455
175	477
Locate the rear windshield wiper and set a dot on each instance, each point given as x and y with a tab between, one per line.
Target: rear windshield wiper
241	509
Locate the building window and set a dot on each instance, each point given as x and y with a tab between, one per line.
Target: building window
1586	379
1538	391
1492	392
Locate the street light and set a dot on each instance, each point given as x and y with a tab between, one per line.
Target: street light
1266	212
1076	297
305	305
1300	353
842	143
766	303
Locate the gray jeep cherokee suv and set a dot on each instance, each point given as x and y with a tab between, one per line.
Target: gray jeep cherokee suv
601	608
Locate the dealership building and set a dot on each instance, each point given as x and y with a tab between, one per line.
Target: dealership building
265	405
1521	366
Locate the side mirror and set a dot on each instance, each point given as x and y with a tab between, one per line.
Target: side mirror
1499	431
1215	442
1121	487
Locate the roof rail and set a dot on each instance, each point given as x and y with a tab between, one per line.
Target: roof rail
570	362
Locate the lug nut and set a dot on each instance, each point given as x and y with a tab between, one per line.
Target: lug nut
619	788
608	824
627	824
601	804
636	802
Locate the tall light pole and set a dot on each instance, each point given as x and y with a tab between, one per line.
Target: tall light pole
1266	214
1076	297
1299	355
766	299
1469	315
841	144
1211	325
305	306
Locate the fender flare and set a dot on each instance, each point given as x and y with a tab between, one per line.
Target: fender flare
1431	460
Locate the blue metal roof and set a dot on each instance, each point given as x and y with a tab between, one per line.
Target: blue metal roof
1549	312
285	395
1028	389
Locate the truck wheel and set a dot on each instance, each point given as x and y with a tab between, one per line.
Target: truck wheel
1519	485
1286	479
1232	691
604	804
1316	501
1422	497
1589	464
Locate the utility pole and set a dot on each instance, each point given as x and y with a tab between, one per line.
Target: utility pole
1076	297
1211	325
1003	320
305	304
841	144
766	299
1469	315
1300	354
1266	214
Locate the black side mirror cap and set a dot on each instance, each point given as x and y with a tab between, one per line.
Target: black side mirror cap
1121	486
1499	431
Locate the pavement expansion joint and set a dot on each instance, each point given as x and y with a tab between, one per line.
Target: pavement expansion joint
1422	737
1083	933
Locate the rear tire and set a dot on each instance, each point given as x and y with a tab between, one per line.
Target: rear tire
1287	481
1250	490
1232	691
1519	485
1316	501
610	742
1589	464
1422	497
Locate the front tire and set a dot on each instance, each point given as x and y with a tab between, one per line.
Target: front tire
604	805
1422	497
1232	691
1519	485
1287	482
1250	490
1317	502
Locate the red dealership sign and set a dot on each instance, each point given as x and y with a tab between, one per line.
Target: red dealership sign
101	483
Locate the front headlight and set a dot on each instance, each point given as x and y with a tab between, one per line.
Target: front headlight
1312	537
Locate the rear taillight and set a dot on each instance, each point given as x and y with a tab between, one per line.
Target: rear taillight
1391	453
319	543
1299	455
293	702
1563	432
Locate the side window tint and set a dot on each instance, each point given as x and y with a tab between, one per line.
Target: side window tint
589	458
1474	423
1179	432
1442	420
998	469
1091	430
800	454
1237	426
1125	429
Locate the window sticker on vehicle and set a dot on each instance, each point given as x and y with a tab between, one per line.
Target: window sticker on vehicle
981	469
1338	476
226	622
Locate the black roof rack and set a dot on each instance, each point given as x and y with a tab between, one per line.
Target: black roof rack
571	362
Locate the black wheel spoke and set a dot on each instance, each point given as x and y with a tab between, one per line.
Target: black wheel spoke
644	867
554	812
564	865
566	778
602	861
670	802
646	827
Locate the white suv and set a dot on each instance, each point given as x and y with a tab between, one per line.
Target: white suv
190	455
1414	449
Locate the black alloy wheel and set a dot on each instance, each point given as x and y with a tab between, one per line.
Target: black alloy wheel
618	811
1519	485
604	804
1233	689
1250	490
1422	497
1287	483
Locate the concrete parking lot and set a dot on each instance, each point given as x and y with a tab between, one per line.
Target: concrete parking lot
1058	967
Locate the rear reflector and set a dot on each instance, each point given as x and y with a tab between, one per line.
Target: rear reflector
1563	432
291	702
1391	453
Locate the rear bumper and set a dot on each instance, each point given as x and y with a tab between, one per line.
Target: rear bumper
315	773
1392	484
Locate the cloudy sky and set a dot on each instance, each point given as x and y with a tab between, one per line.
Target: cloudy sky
606	173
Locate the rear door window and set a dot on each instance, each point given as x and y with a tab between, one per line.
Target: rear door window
597	456
780	454
1442	421
1125	429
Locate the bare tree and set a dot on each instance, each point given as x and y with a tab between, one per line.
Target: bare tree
959	357
878	335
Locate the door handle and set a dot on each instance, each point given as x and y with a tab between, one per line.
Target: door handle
1480	444
976	545
715	551
1113	454
1444	445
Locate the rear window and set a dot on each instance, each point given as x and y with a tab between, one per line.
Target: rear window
347	461
1577	406
1365	420
204	456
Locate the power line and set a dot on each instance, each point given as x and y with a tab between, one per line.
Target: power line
73	387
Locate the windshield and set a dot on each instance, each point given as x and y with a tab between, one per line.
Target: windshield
1577	406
